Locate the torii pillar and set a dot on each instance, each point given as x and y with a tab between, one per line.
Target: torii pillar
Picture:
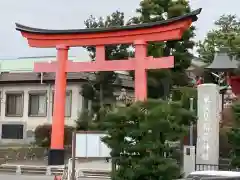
62	40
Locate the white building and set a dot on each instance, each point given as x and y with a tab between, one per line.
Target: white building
27	97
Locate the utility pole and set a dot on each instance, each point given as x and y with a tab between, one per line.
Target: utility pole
191	126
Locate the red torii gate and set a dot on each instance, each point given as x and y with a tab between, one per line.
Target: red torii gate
139	35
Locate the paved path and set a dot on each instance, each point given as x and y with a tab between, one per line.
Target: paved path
94	165
24	177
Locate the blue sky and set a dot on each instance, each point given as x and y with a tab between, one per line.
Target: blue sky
66	14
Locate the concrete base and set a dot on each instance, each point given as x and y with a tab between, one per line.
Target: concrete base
189	160
56	157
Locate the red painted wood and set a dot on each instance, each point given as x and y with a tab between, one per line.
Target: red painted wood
116	65
172	31
235	84
57	140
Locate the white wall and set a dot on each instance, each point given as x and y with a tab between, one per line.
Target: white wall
33	122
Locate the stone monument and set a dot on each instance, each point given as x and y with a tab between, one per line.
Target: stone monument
209	109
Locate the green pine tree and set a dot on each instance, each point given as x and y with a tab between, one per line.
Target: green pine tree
140	136
160	81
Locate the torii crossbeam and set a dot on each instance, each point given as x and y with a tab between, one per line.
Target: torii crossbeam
138	35
139	64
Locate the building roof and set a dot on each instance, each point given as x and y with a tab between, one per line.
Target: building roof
26	64
16	77
196	63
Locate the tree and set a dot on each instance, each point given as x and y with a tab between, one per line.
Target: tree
100	92
226	34
140	136
234	137
84	121
183	94
160	81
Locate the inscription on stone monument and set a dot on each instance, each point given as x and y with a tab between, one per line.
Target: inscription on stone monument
206	128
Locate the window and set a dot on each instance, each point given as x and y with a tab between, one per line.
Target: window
12	131
37	104
14	104
68	103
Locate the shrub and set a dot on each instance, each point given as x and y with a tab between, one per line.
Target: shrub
224	146
43	135
139	137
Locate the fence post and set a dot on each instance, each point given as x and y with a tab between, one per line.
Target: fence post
73	155
191	134
18	170
48	171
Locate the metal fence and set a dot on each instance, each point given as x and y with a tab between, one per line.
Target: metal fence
216	167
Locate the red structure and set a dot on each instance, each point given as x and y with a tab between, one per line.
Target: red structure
234	81
138	35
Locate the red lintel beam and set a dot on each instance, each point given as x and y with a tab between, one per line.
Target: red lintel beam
171	29
116	65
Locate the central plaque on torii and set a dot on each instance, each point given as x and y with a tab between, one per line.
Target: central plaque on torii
62	40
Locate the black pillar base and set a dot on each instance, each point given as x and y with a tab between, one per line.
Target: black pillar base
56	157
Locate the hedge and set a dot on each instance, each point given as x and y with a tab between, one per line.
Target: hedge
43	135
